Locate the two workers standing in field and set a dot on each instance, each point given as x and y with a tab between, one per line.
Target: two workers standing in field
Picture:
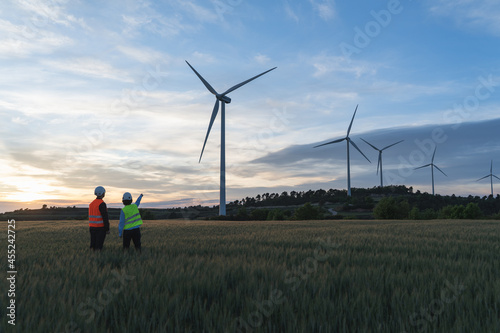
129	226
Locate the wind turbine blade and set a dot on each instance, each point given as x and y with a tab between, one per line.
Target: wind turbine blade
392	144
440	170
495	177
379	164
485	177
350	125
209	87
245	82
212	119
370	144
352	142
491	167
432	161
423	166
328	143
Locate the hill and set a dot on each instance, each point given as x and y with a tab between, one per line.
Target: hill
329	204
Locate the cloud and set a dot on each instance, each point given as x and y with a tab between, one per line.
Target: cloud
290	13
61	157
147	19
151	22
325	64
463	152
90	67
477	14
22	41
21	121
324	8
45	12
262	59
144	54
205	57
200	13
404	91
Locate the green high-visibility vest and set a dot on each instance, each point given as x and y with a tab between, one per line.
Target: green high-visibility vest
132	216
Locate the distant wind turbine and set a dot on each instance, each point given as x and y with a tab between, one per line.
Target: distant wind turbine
432	165
379	164
348	141
491	175
224	100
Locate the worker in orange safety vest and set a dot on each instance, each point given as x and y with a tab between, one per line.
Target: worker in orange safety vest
98	219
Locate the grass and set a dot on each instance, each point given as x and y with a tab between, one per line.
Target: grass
301	276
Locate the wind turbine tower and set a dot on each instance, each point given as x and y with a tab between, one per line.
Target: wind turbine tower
432	165
379	164
223	99
348	141
491	175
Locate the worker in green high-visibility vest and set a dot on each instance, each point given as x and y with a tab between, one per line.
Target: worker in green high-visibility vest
130	222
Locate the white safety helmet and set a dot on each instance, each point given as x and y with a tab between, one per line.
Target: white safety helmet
99	191
127	196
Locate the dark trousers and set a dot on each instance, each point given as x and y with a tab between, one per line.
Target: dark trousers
132	234
97	236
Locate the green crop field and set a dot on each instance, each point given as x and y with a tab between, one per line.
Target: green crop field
301	276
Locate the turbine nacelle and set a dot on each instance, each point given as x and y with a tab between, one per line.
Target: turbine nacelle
223	98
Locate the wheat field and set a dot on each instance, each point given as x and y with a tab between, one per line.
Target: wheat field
220	276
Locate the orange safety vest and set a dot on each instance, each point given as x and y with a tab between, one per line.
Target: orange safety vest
95	218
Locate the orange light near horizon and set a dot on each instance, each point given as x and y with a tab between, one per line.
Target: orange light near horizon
30	189
28	197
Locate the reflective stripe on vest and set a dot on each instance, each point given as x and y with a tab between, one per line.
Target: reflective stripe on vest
95	218
132	216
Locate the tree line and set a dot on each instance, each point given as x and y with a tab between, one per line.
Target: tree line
390	202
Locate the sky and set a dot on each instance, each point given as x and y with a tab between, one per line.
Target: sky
99	93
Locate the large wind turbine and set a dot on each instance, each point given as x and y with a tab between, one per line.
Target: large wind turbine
222	98
379	164
432	165
491	175
348	141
